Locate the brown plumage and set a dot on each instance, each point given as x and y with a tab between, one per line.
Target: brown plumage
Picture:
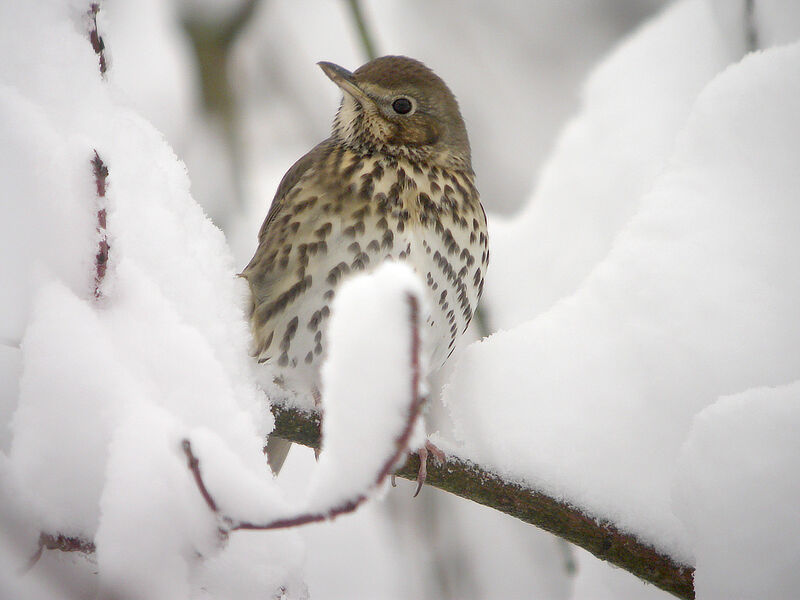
393	182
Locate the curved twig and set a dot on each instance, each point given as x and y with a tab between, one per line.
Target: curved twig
229	523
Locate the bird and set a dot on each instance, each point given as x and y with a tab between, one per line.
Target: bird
394	181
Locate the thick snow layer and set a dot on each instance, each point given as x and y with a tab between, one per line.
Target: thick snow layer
153	526
104	391
151	63
592	400
737	484
110	386
607	157
369	381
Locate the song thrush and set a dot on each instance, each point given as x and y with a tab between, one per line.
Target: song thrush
394	181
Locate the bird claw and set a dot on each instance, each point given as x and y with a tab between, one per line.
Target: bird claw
423	452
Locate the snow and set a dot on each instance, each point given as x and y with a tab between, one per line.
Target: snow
247	567
649	371
149	533
10	371
736	490
110	386
369	381
606	158
150	63
592	400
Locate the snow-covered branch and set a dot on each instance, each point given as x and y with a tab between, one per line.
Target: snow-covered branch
348	475
469	481
472	482
96	39
101	259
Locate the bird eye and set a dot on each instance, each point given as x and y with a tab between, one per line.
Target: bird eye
402	106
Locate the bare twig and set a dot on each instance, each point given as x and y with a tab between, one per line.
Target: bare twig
101	259
346	506
59	542
66	543
750	28
363	30
96	39
212	42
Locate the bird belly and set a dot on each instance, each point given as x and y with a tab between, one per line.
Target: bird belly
399	219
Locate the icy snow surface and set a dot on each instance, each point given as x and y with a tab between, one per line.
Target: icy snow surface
592	400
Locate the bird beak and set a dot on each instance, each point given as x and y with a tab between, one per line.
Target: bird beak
344	79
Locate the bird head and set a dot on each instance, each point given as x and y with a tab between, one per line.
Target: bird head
398	106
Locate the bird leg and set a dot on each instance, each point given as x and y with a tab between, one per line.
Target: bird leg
317	395
438	456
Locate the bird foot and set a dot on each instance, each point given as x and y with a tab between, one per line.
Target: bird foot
423	452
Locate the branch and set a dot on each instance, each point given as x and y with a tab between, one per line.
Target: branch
363	31
58	542
101	259
212	42
750	26
413	409
96	39
470	481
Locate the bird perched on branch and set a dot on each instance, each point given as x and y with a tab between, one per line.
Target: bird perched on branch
394	181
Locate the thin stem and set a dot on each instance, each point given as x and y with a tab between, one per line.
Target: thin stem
363	31
751	31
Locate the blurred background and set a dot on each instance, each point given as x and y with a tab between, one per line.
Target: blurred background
234	87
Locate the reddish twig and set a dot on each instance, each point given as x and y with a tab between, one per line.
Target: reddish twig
101	259
194	467
59	542
348	505
66	543
96	39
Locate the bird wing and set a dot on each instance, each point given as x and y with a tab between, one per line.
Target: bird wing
277	272
291	178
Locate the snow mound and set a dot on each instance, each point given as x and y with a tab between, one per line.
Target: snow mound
736	490
606	158
592	400
371	381
109	386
